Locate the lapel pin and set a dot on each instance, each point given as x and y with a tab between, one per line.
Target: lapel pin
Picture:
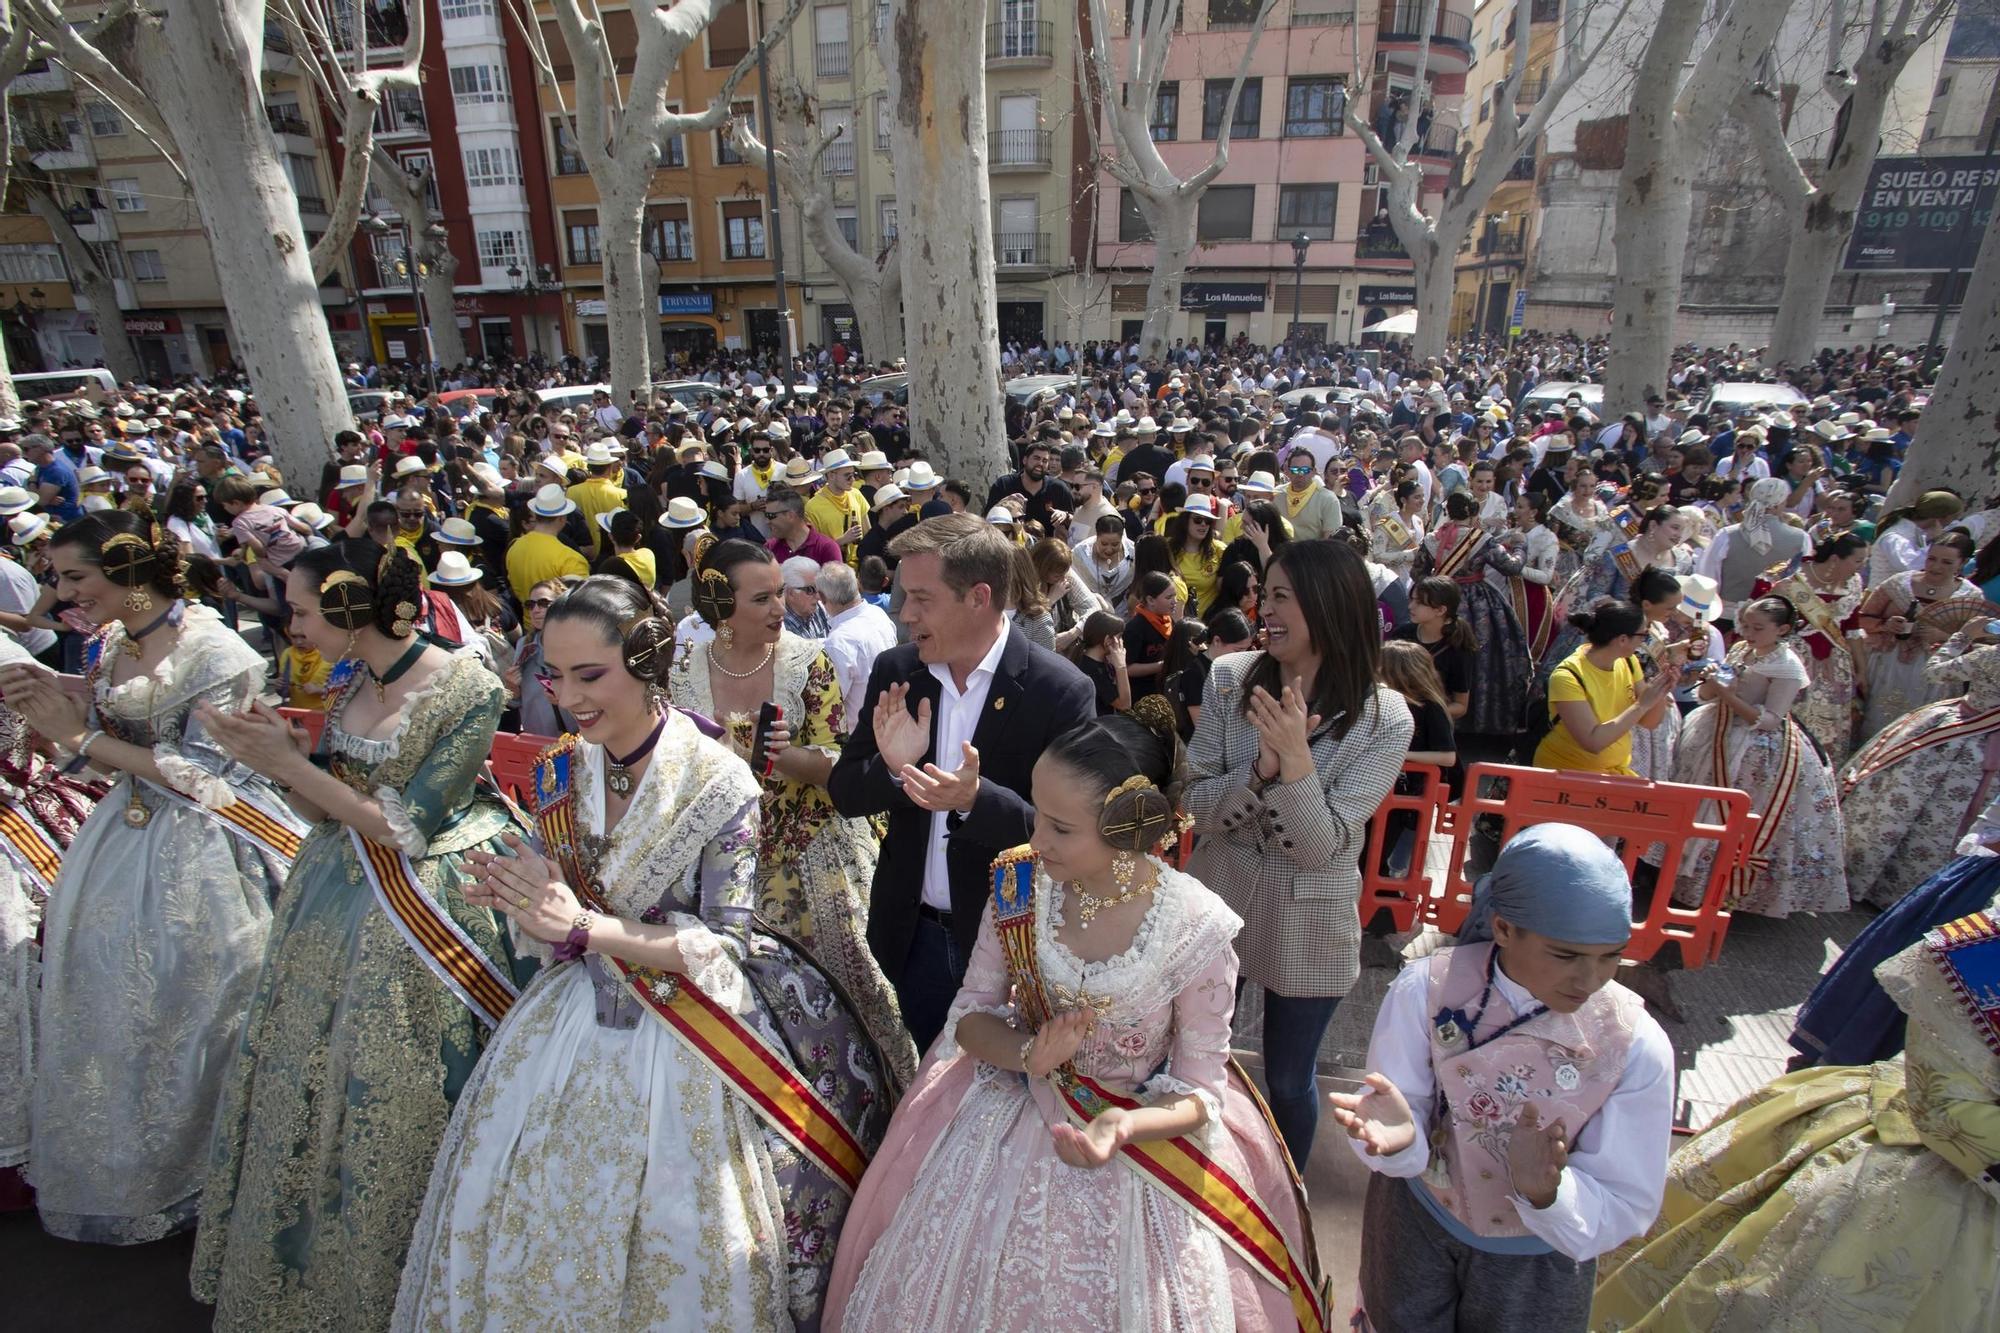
1000	703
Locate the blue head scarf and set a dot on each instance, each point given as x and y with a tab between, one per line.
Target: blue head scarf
1556	880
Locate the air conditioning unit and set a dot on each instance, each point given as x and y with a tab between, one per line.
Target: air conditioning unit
1371	173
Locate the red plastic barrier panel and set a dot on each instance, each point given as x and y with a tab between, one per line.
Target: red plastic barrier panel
1651	820
312	719
512	761
1392	867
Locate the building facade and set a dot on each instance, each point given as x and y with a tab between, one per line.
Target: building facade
1295	227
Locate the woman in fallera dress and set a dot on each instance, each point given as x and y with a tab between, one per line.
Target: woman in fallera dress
156	926
1093	1023
814	867
668	1128
45	808
1902	637
361	1035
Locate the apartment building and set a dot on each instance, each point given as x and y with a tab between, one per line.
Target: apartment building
131	206
1036	143
1295	227
705	215
1494	258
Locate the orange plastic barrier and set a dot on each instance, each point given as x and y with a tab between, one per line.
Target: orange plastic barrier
1402	895
1639	813
312	719
512	762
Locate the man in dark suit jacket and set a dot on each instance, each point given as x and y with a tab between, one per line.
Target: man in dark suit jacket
953	723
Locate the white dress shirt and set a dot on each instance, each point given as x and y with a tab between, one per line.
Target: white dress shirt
854	639
953	720
18	593
1617	1172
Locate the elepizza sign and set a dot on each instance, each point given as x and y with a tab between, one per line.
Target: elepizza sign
1923	214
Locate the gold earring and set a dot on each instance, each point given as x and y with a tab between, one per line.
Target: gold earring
726	636
138	600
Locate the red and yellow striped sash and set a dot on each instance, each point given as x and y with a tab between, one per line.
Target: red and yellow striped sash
741	1055
30	847
480	984
1901	739
1770	814
1189	1177
277	833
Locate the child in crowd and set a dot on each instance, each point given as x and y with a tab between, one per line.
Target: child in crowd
1520	1108
1435	625
1407	669
1185	675
302	675
1099	652
1149	632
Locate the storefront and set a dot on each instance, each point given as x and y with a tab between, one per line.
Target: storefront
1217	302
1378	301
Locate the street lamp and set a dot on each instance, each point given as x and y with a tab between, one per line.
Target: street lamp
415	270
1300	243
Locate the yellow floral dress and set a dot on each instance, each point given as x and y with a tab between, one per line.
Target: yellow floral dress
1851	1198
814	867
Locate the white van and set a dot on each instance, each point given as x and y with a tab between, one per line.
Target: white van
64	384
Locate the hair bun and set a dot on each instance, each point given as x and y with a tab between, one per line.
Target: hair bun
1156	715
128	561
1137	815
714	596
648	648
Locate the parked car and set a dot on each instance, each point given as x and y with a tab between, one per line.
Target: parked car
1554	393
1028	390
570	397
368	404
45	384
466	402
894	387
1732	398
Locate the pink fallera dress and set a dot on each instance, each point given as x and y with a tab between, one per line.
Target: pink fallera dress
967	1219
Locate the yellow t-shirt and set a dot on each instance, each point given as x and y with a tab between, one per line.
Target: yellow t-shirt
536	557
305	675
596	496
1232	527
831	515
642	563
1201	579
1608	693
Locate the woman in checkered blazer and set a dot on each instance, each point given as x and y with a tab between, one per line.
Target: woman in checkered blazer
1296	747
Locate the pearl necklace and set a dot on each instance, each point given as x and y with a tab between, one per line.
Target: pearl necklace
741	675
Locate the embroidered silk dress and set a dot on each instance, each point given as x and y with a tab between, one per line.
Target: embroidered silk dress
813	868
969	1220
1826	709
34	790
598	1172
150	952
354	1051
1896	681
1797	860
1913	790
1500	674
1858	1198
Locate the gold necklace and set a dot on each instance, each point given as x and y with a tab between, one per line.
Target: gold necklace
741	675
1123	867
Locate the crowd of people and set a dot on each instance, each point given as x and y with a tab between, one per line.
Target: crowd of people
936	821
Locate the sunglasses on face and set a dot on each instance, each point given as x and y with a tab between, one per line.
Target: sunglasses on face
540	603
1149	490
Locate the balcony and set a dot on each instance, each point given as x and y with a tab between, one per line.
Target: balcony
1021	249
286	119
1401	23
1523	168
1322	13
1380	244
1504	242
1545	11
401	113
570	164
1530	92
1021	42
42	78
1441	142
1018	150
312	205
839	159
830	60
53	148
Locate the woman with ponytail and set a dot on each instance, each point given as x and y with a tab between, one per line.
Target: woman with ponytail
380	985
156	925
1093	1023
674	1116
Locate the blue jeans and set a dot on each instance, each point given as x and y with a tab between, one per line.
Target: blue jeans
932	974
1293	1029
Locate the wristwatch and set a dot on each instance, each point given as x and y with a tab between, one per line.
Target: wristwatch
578	940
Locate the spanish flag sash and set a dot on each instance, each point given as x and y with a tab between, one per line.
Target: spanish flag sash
1188	1176
480	984
725	1043
1455	561
30	848
1770	814
272	830
1902	738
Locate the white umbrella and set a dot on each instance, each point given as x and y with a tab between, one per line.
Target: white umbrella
1395	324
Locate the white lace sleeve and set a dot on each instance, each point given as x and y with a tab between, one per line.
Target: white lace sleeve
707	961
985	990
409	838
191	780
